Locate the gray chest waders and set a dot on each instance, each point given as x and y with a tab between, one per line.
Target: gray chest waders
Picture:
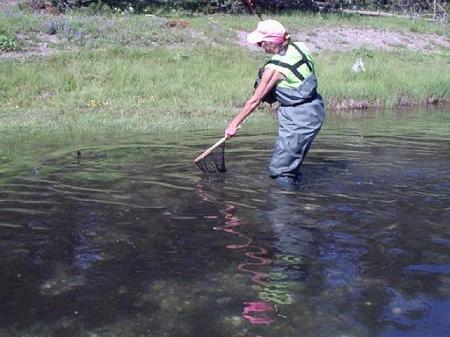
300	118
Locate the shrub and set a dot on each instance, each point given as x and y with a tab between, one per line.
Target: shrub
234	6
205	6
8	43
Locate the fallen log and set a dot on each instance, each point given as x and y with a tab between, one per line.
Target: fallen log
381	14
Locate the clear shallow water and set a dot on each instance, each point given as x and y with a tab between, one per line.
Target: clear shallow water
131	239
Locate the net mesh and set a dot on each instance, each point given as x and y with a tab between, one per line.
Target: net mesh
213	162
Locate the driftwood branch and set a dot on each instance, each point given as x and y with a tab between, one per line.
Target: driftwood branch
372	13
378	13
439	13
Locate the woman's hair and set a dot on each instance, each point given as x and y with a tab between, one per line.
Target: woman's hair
287	39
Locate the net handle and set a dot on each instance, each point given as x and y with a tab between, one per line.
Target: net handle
212	148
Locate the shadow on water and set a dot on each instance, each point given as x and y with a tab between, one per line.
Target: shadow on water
130	239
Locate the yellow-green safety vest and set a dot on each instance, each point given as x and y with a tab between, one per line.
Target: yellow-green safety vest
296	65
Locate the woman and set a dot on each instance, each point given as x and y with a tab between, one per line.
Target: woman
289	78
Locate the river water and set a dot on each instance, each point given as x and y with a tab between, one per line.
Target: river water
128	238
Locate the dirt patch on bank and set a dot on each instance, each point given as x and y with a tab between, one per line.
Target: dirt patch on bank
344	38
348	38
7	4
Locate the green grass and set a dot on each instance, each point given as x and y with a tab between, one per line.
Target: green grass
197	87
128	82
306	21
118	75
388	76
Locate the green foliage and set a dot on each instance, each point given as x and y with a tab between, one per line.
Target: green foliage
166	7
4	27
164	88
203	6
8	42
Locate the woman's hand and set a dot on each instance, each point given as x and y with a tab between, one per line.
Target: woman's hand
231	130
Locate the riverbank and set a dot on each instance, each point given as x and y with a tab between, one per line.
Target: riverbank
147	73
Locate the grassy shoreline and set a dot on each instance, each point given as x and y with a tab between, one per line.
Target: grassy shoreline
162	88
134	73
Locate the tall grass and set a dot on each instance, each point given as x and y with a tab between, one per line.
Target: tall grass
131	87
150	89
390	76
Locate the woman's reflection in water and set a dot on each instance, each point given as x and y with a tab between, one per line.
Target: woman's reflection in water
256	310
276	271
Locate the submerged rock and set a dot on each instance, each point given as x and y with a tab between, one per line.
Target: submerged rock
62	282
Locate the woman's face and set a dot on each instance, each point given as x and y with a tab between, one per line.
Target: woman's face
270	47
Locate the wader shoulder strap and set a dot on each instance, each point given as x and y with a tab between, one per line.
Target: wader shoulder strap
288	66
303	60
294	68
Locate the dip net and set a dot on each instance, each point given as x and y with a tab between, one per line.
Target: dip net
213	159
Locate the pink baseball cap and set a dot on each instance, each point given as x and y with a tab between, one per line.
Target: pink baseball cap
267	30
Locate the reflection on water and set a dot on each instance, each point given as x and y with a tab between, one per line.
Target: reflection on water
132	240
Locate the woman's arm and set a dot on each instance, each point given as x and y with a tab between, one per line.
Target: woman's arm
268	81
